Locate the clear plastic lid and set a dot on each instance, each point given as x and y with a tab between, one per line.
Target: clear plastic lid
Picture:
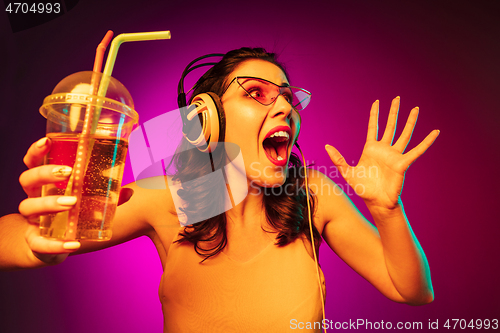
82	88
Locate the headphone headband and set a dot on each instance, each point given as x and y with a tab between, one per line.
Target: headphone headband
206	106
181	100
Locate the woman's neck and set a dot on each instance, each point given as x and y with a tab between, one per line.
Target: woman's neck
250	209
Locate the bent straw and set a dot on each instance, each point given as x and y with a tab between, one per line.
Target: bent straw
110	62
79	168
99	54
81	164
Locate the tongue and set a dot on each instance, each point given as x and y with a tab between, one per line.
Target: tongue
276	147
270	149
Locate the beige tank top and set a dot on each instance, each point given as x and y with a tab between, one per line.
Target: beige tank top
272	292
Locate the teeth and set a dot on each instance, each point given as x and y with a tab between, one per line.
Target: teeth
283	136
280	134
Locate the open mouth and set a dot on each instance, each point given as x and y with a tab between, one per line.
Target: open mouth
276	146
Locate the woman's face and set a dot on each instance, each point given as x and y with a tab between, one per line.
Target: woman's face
265	134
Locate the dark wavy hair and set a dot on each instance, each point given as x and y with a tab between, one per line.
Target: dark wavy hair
205	196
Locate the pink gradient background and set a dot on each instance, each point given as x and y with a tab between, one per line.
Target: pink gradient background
442	57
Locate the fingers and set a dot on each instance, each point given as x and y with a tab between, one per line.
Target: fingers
416	152
373	122
32	180
33	207
337	159
390	129
47	250
405	137
36	153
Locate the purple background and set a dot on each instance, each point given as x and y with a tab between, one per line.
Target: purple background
440	56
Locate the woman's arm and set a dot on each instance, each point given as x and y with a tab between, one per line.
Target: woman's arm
22	247
388	256
145	213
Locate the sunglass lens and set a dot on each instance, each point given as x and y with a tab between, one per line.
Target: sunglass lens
257	89
300	99
266	92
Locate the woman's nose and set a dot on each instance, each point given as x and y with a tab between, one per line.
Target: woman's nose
282	106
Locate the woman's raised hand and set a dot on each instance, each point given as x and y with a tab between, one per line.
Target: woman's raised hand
379	175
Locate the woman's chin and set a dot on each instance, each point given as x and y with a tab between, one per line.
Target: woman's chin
268	182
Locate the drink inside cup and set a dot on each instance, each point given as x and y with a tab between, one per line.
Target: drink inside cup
97	158
101	185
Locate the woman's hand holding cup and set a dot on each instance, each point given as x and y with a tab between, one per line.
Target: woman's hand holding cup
48	250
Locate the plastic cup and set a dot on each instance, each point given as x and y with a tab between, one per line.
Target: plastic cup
96	153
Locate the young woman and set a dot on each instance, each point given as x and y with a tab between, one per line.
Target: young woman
251	269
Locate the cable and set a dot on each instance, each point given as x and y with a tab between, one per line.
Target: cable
312	237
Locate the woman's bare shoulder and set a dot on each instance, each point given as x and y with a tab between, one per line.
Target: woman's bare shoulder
159	205
330	198
153	202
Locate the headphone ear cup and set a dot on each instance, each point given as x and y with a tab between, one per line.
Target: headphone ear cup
208	109
220	118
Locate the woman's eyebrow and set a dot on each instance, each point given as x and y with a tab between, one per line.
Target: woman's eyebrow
266	81
283	84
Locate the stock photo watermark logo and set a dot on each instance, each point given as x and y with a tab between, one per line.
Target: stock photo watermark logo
28	14
322	187
155	145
